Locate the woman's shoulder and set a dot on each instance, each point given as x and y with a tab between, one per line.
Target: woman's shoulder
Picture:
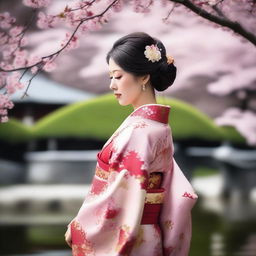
145	130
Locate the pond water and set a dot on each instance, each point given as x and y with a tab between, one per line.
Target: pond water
221	227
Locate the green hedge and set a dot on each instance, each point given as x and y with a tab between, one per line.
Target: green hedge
98	117
14	131
101	116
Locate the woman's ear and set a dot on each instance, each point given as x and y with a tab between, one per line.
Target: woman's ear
145	79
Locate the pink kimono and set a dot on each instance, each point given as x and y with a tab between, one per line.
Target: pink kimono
139	203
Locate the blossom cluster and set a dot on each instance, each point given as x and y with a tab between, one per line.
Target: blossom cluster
78	17
243	120
36	3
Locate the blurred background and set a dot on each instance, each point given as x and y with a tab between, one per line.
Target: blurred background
48	147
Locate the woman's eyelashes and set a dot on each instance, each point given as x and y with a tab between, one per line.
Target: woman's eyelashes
118	77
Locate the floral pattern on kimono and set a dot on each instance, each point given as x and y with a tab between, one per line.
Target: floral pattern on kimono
110	219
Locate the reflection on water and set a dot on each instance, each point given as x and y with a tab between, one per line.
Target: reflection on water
221	227
217	235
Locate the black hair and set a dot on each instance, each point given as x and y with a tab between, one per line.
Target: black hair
128	53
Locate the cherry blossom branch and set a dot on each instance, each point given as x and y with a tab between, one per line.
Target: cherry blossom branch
23	32
66	44
223	21
218	11
82	6
54	55
31	78
165	19
15	59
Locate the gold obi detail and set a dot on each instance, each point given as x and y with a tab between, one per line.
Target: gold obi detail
154	198
101	173
154	180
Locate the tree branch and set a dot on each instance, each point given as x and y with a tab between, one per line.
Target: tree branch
66	44
234	26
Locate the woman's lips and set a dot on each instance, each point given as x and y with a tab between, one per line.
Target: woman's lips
118	95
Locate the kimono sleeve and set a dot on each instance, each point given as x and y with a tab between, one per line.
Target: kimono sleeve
109	223
175	219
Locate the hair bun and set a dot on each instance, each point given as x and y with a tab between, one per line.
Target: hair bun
164	76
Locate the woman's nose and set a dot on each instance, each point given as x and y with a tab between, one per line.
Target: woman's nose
112	85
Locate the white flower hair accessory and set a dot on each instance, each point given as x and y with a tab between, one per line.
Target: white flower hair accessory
152	53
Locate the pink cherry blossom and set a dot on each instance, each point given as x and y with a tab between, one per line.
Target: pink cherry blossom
72	19
15	31
42	20
83	29
142	6
94	24
46	21
4	119
49	66
3	38
118	6
13	83
6	21
7	53
34	70
5	103
74	43
243	121
21	53
9	50
36	3
82	14
3	112
3	76
19	61
232	81
165	2
6	66
33	59
24	41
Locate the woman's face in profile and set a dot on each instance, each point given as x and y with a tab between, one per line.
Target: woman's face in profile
126	86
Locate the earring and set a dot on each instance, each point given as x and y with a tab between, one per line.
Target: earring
143	87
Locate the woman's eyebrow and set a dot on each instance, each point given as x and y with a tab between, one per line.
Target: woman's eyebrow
114	71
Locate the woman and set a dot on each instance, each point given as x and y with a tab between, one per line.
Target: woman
139	202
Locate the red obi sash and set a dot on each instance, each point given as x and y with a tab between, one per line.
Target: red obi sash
155	194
